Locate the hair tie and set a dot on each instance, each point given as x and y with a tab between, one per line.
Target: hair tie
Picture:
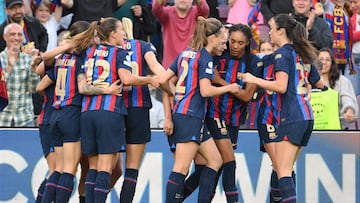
215	31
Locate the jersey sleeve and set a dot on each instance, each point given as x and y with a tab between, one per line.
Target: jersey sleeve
282	62
80	63
256	66
147	46
314	76
173	66
206	66
51	72
123	60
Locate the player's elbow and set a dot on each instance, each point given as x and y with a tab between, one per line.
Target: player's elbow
205	92
282	89
40	89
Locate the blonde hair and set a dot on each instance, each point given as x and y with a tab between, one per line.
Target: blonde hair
127	27
204	28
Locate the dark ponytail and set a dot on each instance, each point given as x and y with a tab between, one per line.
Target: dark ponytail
298	35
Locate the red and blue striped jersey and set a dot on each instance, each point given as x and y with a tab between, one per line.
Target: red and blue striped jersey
138	96
64	73
102	63
227	107
294	103
47	108
252	113
269	110
190	67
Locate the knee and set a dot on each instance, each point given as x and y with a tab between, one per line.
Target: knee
215	162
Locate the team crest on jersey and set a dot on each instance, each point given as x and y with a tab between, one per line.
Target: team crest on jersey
209	69
278	56
223	131
272	135
259	64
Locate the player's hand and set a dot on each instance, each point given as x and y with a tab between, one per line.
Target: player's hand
234	88
115	88
168	127
155	81
247	77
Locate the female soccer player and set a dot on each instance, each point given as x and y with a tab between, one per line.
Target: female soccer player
102	117
194	70
283	136
65	120
227	112
138	103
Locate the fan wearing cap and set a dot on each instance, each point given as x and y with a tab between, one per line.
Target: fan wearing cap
35	35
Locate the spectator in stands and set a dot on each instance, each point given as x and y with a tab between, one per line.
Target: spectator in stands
20	77
143	20
213	6
90	10
338	15
319	32
34	34
332	78
270	8
355	19
178	24
49	19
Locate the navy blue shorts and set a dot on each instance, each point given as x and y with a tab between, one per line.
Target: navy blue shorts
297	133
102	132
204	133
65	125
219	130
46	139
137	125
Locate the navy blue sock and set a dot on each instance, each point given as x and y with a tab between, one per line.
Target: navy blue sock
82	199
206	185
50	187
275	195
192	182
216	182
90	179
129	185
64	188
287	190
175	188
228	182
102	186
41	191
